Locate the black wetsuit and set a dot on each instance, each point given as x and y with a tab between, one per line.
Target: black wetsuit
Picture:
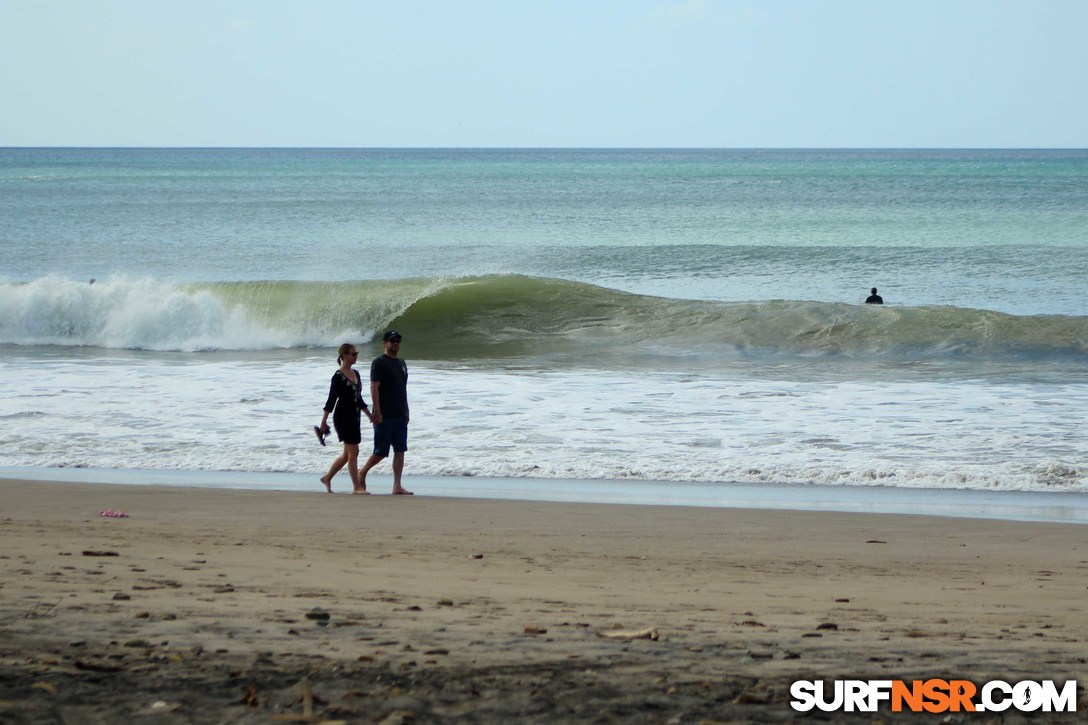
346	405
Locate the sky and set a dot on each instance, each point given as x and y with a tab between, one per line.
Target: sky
545	73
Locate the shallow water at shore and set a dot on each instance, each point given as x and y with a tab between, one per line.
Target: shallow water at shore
1001	505
676	423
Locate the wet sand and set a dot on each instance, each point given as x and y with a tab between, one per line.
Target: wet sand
210	605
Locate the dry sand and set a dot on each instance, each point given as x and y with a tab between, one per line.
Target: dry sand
210	606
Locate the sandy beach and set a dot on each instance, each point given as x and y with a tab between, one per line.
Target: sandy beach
240	606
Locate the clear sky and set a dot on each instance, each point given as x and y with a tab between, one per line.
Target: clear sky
544	73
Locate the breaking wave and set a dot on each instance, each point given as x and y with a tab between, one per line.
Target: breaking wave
506	315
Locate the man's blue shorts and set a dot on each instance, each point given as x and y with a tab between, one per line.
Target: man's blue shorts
390	432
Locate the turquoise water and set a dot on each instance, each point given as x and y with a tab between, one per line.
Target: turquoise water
996	230
650	315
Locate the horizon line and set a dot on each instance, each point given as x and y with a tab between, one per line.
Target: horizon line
558	148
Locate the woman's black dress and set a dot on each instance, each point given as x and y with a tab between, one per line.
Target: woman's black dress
346	405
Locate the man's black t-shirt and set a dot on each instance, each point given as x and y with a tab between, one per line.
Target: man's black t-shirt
392	374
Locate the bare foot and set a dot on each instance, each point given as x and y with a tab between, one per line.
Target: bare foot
401	491
361	492
328	483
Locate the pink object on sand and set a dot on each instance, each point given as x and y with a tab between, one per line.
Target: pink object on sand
110	513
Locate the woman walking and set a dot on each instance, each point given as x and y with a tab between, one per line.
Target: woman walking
346	404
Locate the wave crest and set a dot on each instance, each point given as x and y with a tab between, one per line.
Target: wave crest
507	315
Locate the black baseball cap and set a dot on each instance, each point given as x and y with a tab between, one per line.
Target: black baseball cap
391	336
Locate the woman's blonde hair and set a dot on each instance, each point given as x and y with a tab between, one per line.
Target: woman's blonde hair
344	350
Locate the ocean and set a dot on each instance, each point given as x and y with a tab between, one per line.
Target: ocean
669	316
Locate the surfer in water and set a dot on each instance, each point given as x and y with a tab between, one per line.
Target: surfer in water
346	404
874	298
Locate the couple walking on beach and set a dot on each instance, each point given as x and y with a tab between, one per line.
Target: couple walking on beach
389	415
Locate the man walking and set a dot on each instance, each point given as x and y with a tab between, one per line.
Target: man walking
389	410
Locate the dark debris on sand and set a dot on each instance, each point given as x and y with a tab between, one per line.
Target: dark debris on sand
147	688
